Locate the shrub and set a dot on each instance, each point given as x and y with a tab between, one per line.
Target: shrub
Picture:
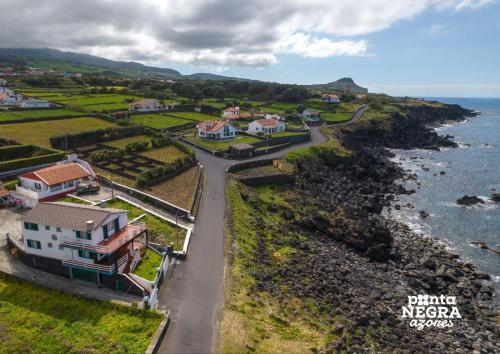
162	172
106	155
93	137
137	146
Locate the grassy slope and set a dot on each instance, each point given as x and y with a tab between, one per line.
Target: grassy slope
254	320
35	319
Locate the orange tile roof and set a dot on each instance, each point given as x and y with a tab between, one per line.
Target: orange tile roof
211	125
232	109
58	173
267	122
3	192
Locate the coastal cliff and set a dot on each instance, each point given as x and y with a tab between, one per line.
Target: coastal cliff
325	244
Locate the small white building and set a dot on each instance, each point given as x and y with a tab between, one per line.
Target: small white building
145	105
231	113
330	98
51	182
9	97
266	126
215	130
79	237
34	103
311	116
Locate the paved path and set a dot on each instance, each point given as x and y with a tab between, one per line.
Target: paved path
194	293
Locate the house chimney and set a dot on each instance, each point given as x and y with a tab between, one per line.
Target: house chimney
72	157
90	225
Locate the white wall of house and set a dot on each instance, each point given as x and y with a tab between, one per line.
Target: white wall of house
255	127
51	239
226	132
231	112
34	104
28	186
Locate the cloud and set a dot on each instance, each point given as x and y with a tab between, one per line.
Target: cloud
437	29
222	33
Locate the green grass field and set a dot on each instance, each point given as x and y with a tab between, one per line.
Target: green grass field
39	133
158	121
192	116
147	266
34	319
330	117
38	113
282	134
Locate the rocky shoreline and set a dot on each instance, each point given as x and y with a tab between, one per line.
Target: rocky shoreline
361	265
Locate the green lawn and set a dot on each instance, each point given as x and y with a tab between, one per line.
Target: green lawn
330	117
221	145
39	133
70	199
159	230
42	113
192	116
158	121
34	319
146	268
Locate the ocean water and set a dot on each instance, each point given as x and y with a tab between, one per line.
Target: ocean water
472	169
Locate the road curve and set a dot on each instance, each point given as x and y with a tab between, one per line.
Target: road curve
194	293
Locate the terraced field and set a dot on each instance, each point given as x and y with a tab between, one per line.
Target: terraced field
38	113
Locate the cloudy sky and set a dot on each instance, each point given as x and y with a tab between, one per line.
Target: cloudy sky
419	47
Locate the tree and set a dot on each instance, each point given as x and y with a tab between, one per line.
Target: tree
191	91
218	92
301	108
295	94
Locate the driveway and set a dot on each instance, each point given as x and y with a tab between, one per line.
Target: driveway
194	293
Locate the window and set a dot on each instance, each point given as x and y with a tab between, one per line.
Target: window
38	186
34	244
61	247
49	244
56	187
83	235
31	226
58	229
47	227
69	184
54	237
86	254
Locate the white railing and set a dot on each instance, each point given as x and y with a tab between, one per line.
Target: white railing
135	260
29	193
153	298
122	262
124	236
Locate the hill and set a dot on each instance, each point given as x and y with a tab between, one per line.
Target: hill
47	58
344	84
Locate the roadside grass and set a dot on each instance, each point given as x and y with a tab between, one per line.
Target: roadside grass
329	151
285	133
256	321
148	264
34	319
165	154
70	199
158	121
42	113
121	143
159	230
39	133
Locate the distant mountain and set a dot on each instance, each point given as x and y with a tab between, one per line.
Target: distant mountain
47	58
344	84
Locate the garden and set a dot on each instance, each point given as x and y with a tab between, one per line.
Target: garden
159	121
148	265
39	320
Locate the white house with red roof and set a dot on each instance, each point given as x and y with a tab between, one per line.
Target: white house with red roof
74	239
266	126
215	130
231	113
145	105
51	182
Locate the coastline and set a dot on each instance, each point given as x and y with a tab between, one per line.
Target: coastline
395	261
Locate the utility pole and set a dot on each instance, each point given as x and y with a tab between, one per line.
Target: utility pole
176	231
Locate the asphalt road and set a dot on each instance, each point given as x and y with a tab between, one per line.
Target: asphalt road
194	293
